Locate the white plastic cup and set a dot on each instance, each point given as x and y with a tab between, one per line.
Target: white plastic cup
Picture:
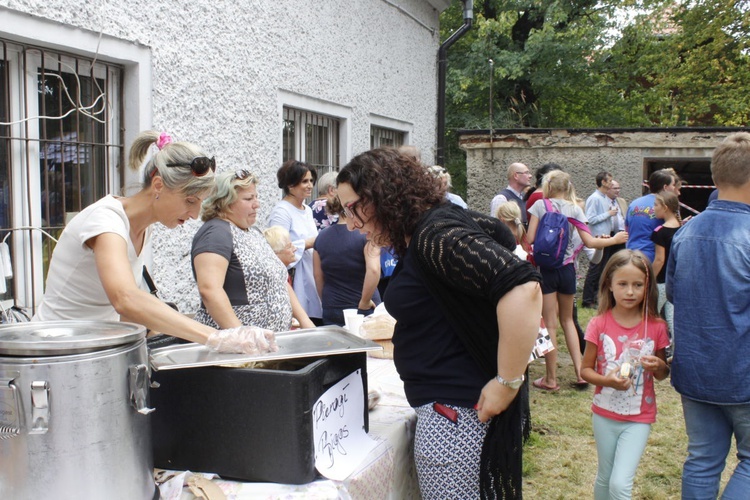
354	323
349	312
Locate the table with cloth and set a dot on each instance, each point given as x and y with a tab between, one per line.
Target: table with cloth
388	471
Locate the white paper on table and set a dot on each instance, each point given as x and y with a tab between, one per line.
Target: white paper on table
341	442
173	488
380	309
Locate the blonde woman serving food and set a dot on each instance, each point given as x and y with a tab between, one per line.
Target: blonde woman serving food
96	269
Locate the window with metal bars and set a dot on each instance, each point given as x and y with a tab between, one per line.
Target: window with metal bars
60	149
312	138
381	136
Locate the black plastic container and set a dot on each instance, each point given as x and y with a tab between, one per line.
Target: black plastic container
246	424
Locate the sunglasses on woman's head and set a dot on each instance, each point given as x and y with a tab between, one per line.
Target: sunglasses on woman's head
200	165
242	174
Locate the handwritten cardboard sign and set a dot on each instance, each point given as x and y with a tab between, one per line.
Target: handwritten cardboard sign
341	442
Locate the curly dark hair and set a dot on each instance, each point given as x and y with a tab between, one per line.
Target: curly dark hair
292	172
399	188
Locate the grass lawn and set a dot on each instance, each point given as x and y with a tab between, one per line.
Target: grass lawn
560	458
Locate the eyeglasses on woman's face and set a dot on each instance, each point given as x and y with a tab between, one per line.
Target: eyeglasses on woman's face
199	166
361	214
350	209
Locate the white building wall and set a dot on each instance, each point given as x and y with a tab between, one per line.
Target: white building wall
222	70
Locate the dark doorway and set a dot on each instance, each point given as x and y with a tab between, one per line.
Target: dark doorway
696	179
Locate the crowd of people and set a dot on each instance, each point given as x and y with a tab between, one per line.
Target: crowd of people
455	280
669	294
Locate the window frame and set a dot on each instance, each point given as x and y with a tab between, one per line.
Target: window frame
391	124
131	61
302	148
339	149
378	133
24	64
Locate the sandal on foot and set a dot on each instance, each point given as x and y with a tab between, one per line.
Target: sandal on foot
581	384
539	384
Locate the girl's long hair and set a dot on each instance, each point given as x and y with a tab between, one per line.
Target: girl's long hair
557	184
510	213
621	259
671	202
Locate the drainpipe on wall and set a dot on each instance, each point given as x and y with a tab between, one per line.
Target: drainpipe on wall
442	66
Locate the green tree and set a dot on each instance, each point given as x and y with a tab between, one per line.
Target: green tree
687	65
562	63
545	56
545	68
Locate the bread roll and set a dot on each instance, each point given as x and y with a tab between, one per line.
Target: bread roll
377	327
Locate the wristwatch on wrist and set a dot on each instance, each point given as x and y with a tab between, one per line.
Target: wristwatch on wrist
513	384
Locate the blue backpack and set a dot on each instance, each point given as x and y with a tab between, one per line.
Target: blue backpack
552	236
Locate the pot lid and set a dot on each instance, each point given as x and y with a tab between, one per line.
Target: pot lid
51	338
303	343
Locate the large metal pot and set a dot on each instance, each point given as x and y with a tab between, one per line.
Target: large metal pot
73	411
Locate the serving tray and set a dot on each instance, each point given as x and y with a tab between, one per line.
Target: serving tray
303	343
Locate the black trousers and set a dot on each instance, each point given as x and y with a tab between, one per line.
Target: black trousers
591	284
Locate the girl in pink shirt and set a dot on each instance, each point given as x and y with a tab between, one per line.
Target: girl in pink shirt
625	350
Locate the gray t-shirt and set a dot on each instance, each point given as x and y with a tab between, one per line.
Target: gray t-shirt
256	279
569	210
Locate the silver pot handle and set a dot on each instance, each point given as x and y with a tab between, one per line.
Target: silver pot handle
8	431
9	408
39	407
139	388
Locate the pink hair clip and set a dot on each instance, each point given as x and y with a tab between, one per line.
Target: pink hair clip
163	140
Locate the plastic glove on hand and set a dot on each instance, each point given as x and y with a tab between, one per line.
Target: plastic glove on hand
243	340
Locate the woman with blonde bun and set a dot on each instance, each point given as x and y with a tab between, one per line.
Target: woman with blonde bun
96	270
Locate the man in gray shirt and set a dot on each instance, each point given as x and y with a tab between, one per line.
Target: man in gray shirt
599	212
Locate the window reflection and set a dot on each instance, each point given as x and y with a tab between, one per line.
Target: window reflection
71	177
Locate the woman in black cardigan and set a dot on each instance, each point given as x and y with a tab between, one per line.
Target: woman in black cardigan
467	316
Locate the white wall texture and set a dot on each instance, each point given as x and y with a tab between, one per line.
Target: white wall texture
220	70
